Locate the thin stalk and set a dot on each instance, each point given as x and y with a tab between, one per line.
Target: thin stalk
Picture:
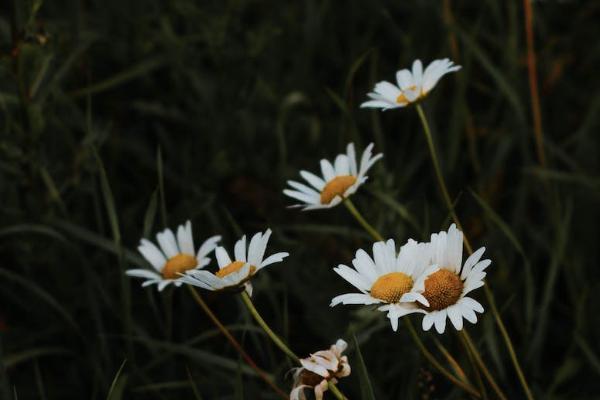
487	290
278	342
235	343
481	364
533	85
363	222
482	390
377	236
465	386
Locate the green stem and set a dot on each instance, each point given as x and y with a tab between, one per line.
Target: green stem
363	222
336	392
263	375
487	290
377	236
481	364
466	387
278	342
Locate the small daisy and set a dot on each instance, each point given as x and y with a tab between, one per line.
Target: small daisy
446	289
395	280
320	368
340	180
173	257
412	86
237	273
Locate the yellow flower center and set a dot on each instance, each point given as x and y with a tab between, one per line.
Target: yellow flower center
401	99
442	289
233	267
336	187
390	287
178	264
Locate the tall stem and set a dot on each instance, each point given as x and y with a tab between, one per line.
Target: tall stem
487	290
479	361
377	236
235	343
465	386
277	340
363	222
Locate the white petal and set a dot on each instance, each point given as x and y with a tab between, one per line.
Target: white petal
455	315
302	188
142	273
353	277
440	321
152	254
314	180
352	159
364	265
185	239
428	320
258	245
303	197
472	260
275	258
472	304
327	170
209	245
353	298
222	257
167	242
163	284
239	250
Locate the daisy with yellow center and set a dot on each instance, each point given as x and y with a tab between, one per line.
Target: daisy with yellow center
236	273
173	257
446	290
320	368
339	180
396	281
411	87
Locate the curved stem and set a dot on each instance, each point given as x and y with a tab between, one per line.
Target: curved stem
481	364
377	236
487	290
363	222
263	375
484	395
465	386
277	340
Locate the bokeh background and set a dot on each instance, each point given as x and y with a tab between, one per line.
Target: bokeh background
119	118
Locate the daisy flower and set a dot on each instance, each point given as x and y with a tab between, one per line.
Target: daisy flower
412	86
446	290
173	256
396	281
237	273
320	368
340	179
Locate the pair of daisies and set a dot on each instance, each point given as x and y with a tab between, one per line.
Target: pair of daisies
426	278
176	261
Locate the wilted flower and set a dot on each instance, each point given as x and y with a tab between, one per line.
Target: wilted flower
446	289
412	86
319	369
396	280
340	180
236	274
174	257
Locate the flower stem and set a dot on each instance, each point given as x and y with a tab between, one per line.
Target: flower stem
276	339
377	236
278	342
487	290
263	375
363	222
465	386
479	361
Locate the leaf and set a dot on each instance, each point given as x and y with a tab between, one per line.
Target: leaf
366	390
11	360
114	394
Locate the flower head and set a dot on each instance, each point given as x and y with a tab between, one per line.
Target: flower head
249	259
173	257
394	280
340	179
446	290
412	85
320	368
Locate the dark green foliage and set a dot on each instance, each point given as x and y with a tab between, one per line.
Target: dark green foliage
118	118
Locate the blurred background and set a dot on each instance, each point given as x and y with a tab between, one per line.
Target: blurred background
120	118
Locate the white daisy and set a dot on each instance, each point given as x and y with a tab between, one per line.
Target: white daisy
412	86
395	280
320	368
173	257
340	180
237	273
447	288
